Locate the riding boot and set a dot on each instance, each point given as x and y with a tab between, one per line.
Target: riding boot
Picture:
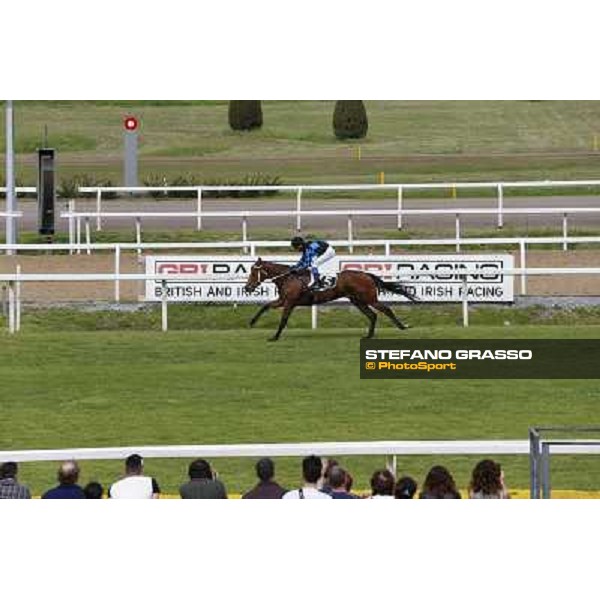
316	280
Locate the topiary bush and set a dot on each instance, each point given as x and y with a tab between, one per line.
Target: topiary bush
245	115
350	119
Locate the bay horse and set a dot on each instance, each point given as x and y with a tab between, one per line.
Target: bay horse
359	287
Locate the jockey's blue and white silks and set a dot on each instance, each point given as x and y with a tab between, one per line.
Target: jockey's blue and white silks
317	254
311	251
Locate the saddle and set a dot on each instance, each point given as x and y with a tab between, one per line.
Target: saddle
326	282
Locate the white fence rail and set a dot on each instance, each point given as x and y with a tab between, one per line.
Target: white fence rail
14	281
389	449
399	188
384	448
75	218
253	247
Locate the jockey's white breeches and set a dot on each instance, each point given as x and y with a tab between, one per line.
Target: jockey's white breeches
326	263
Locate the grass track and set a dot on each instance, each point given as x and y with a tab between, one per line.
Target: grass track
125	388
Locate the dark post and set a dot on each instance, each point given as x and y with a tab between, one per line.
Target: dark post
46	190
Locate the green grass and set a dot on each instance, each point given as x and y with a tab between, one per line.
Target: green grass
408	140
73	388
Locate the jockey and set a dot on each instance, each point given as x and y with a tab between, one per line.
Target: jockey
314	254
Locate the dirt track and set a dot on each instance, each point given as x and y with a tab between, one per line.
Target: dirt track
51	292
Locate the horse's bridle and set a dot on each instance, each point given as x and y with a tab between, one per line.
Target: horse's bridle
260	270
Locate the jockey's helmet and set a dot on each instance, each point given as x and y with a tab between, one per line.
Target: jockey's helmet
298	243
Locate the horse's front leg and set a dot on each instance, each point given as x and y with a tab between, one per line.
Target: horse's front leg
263	309
287	311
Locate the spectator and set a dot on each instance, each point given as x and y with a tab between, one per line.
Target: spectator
134	485
312	467
406	488
338	480
439	485
487	482
329	464
382	485
203	484
67	488
349	483
10	488
266	488
93	491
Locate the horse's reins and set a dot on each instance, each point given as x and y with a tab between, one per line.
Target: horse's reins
260	269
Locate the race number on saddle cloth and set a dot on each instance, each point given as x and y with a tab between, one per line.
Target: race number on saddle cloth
319	257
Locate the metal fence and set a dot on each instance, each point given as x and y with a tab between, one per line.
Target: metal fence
543	442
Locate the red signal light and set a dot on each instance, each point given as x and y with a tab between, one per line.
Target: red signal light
130	123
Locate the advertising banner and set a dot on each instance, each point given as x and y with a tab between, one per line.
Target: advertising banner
433	278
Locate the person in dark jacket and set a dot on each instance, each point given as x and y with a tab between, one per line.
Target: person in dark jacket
266	488
338	481
203	483
67	488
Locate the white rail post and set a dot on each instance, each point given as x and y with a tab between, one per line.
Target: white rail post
18	300
399	207
199	210
245	232
11	307
98	209
138	234
565	231
252	249
71	225
522	264
465	301
387	248
299	209
78	227
457	231
88	235
391	464
117	272
163	302
314	317
350	236
500	206
4	299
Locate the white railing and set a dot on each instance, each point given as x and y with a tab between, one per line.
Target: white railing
390	449
252	247
21	190
399	188
75	218
14	281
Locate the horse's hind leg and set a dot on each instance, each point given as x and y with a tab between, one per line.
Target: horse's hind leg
388	312
287	311
365	310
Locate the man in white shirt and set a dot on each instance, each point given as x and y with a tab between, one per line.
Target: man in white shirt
135	485
312	468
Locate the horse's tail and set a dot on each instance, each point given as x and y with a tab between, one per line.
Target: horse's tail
393	286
